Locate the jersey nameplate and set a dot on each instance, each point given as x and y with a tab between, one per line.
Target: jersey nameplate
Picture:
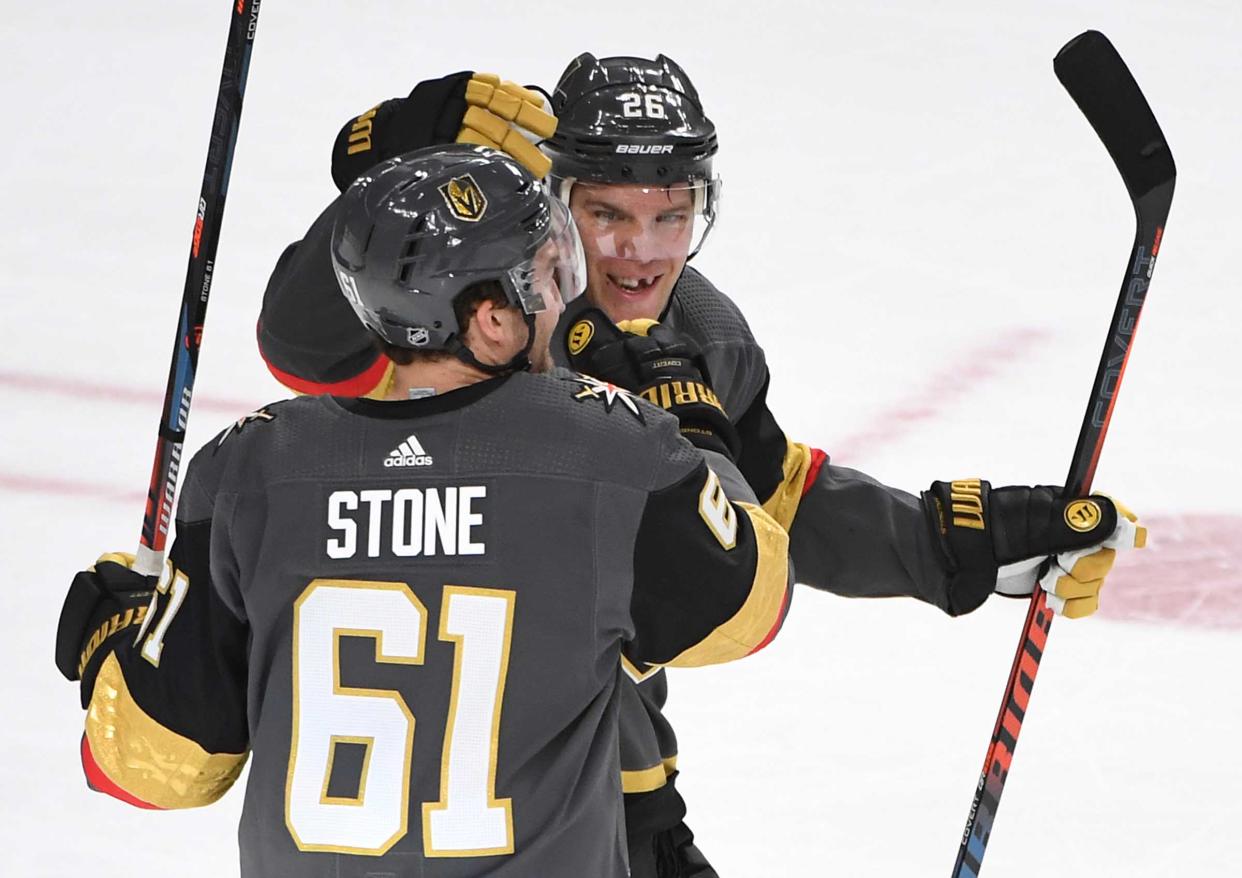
407	522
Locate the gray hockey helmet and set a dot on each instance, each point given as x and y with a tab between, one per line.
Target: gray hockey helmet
418	229
630	120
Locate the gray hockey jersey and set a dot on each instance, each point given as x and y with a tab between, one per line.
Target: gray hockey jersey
410	615
849	534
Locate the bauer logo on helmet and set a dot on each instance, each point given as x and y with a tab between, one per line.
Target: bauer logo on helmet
644	148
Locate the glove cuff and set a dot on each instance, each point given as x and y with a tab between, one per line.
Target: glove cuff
357	147
701	416
432	114
958	514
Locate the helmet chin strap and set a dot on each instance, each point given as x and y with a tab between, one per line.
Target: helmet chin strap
520	361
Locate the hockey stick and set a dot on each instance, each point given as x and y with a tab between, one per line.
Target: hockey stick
1099	82
180	388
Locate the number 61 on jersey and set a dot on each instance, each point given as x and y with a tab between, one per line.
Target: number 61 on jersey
467	820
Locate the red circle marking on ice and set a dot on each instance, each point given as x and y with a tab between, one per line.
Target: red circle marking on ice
1189	574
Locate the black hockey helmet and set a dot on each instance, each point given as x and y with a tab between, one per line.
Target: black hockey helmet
415	231
632	120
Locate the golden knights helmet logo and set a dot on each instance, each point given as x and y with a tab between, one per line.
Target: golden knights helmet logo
464	198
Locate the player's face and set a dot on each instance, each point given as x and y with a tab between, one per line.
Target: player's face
636	239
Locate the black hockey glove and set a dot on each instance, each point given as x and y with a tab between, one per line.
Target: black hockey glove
105	603
459	108
980	529
651	360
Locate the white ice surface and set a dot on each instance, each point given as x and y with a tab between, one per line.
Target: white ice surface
904	181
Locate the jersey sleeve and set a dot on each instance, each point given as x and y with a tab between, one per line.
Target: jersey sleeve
309	336
166	725
848	533
857	537
711	570
779	469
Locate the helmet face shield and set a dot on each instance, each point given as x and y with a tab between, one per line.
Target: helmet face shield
643	223
557	269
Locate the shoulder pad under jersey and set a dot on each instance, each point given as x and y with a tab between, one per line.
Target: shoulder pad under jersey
737	368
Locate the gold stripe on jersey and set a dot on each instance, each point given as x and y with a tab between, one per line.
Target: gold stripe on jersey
644	780
750	625
634	672
783	504
380	390
145	759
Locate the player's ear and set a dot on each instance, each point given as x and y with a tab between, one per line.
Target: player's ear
487	331
489	321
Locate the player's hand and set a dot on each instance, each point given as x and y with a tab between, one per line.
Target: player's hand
1073	579
1002	539
508	117
463	107
106	602
651	360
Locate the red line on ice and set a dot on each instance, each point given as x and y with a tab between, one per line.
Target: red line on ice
928	400
22	483
1191	571
84	388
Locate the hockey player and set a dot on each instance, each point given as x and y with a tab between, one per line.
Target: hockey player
631	154
410	611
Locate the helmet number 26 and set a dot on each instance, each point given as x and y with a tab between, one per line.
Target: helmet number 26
636	106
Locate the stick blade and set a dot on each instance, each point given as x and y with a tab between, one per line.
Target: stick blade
1100	83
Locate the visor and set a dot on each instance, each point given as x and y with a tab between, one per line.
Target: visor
557	270
646	223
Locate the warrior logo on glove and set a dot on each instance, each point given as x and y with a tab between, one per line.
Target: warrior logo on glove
1082	515
580	336
465	198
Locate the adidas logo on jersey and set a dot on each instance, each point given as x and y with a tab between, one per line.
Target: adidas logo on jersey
408	453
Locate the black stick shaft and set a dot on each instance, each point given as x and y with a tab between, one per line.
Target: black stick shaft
1098	80
243	20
